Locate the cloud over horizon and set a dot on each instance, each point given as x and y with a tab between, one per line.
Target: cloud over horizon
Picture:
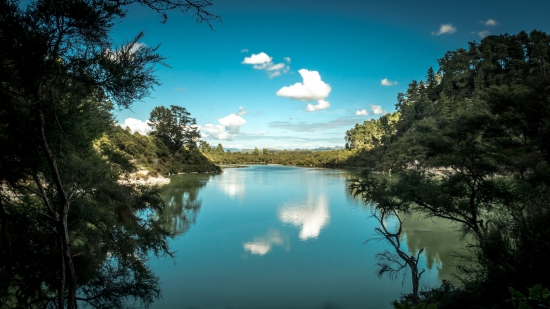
311	89
312	127
228	127
362	112
445	29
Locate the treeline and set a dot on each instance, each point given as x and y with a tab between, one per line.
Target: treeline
470	144
332	158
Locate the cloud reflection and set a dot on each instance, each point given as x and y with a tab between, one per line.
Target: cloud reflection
262	245
232	185
312	217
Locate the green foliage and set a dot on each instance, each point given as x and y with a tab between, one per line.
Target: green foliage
536	298
70	231
471	146
174	127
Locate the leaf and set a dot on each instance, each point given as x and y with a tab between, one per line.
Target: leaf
523	305
516	293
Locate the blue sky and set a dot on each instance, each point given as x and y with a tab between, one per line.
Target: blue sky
298	74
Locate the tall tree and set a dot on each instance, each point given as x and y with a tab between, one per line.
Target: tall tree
60	200
174	127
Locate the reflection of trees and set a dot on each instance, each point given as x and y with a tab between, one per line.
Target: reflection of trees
182	203
441	240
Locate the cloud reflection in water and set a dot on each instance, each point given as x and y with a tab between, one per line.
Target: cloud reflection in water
312	216
232	185
262	245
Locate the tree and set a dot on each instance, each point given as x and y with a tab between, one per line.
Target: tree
174	127
68	227
471	147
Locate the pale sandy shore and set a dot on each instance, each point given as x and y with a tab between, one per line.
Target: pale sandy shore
141	177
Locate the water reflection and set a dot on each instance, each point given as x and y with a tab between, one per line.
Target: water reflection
262	245
311	216
441	240
232	185
182	202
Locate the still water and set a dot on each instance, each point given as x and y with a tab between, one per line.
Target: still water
284	237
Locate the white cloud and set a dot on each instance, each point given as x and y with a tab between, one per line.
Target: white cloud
321	104
262	245
386	82
362	112
180	89
125	51
311	89
136	125
242	111
244	50
311	217
232	123
445	29
263	61
287	59
228	128
483	33
216	131
376	109
490	22
260	58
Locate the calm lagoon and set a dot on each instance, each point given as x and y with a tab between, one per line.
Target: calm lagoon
284	237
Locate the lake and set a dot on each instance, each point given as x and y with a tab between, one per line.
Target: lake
285	237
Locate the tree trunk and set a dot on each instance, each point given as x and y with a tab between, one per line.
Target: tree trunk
63	230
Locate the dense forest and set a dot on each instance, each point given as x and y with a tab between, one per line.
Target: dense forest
470	144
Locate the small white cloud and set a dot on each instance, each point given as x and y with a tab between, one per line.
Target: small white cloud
287	59
180	89
262	61
312	88
489	22
216	132
260	58
242	111
386	82
362	112
445	29
136	125
244	50
228	128
128	50
277	66
232	123
321	104
376	109
483	33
